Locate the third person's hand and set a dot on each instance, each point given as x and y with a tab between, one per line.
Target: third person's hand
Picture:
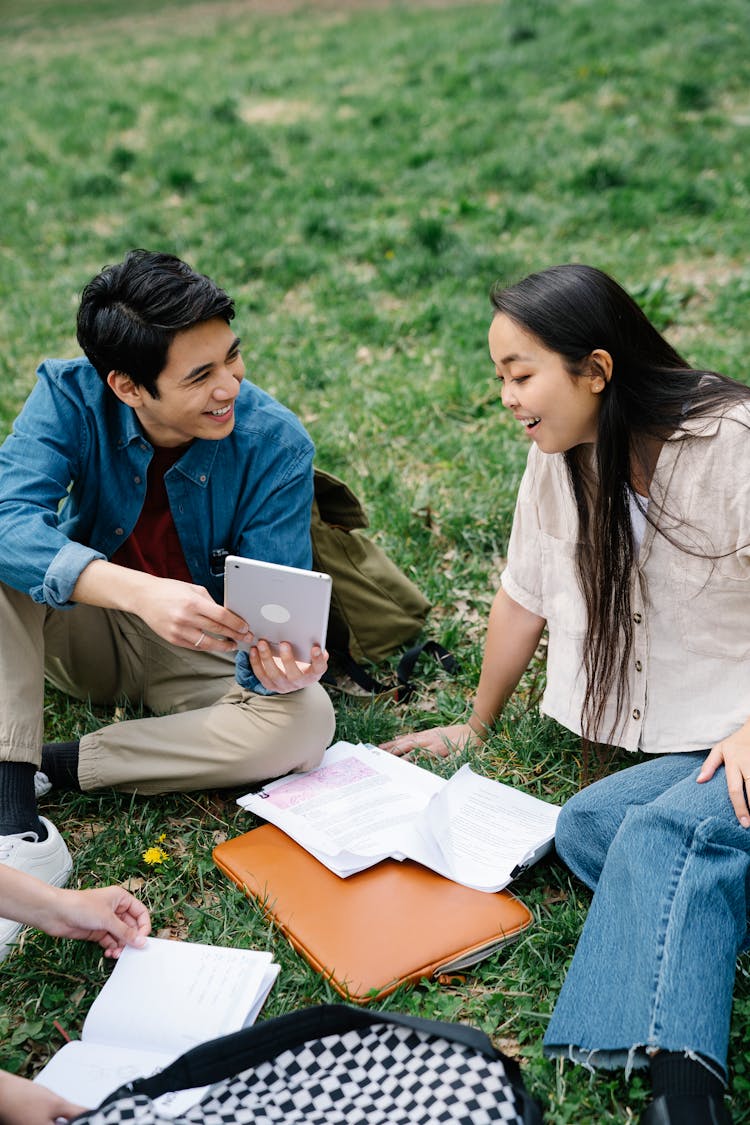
440	741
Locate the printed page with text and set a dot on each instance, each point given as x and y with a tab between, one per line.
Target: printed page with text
363	805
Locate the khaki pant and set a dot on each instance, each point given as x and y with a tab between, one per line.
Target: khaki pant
207	732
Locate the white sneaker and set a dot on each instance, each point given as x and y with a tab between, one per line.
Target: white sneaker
48	860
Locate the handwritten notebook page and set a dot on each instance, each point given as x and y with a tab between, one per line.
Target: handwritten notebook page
172	995
158	1002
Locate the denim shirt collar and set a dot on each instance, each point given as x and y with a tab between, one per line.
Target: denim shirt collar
196	462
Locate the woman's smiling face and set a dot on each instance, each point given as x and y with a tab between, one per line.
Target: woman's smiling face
556	409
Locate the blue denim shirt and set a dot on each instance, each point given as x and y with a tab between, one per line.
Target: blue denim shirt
73	482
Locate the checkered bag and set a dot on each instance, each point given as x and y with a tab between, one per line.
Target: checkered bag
335	1065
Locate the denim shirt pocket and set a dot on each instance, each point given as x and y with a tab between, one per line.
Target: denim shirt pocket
564	607
713	610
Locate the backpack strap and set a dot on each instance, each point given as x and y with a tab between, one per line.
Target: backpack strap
403	688
406	664
231	1054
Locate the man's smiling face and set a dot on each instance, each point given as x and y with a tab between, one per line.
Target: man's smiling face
197	387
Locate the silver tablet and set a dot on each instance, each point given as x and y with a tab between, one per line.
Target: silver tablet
279	603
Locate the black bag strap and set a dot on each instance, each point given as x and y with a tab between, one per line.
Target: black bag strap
404	669
223	1058
407	663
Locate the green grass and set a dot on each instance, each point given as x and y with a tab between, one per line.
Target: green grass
358	177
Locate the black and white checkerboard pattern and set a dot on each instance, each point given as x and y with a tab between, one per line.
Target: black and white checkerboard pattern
378	1076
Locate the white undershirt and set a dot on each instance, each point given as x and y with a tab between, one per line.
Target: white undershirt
638	508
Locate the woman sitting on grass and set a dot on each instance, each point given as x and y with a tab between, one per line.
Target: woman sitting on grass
110	916
631	541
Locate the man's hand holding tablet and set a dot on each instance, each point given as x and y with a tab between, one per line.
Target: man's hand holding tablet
287	611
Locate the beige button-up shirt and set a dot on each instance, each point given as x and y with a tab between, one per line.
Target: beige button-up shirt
689	671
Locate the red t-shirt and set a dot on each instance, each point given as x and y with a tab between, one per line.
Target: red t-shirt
153	546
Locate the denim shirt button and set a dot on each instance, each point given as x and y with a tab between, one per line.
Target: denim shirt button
119	531
144	447
136	480
203	478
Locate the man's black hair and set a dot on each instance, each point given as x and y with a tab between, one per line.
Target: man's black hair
130	313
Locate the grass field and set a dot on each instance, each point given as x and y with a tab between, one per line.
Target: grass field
358	175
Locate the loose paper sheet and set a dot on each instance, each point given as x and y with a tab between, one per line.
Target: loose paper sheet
362	805
355	809
484	829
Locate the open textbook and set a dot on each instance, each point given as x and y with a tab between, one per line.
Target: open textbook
159	1002
363	805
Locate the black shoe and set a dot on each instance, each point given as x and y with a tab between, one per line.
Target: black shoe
686	1109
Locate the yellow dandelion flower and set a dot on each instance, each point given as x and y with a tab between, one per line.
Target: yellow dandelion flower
154	855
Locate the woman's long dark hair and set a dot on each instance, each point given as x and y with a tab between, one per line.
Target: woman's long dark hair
574	310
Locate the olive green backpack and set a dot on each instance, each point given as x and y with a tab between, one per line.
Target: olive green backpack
375	608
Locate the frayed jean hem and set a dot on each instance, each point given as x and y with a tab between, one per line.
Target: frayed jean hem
629	1059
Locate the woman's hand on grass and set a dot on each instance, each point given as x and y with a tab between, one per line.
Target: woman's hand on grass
440	741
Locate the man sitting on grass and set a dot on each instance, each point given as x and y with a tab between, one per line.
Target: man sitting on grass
128	478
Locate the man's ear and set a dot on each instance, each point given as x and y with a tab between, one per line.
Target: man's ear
125	389
600	369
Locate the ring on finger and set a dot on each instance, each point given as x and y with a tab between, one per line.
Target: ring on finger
200	640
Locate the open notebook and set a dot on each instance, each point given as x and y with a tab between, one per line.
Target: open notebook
157	1003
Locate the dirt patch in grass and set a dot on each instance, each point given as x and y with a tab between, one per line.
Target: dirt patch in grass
299	301
276	111
702	278
704	275
25	30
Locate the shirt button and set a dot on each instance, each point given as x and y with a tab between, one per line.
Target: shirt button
636	713
203	478
144	448
637	618
137	480
638	666
119	531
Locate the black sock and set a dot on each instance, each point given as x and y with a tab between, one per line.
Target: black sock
60	763
673	1072
17	801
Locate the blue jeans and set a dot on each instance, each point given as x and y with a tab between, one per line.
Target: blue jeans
655	964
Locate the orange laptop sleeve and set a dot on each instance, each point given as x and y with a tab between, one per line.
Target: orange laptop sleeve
369	933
